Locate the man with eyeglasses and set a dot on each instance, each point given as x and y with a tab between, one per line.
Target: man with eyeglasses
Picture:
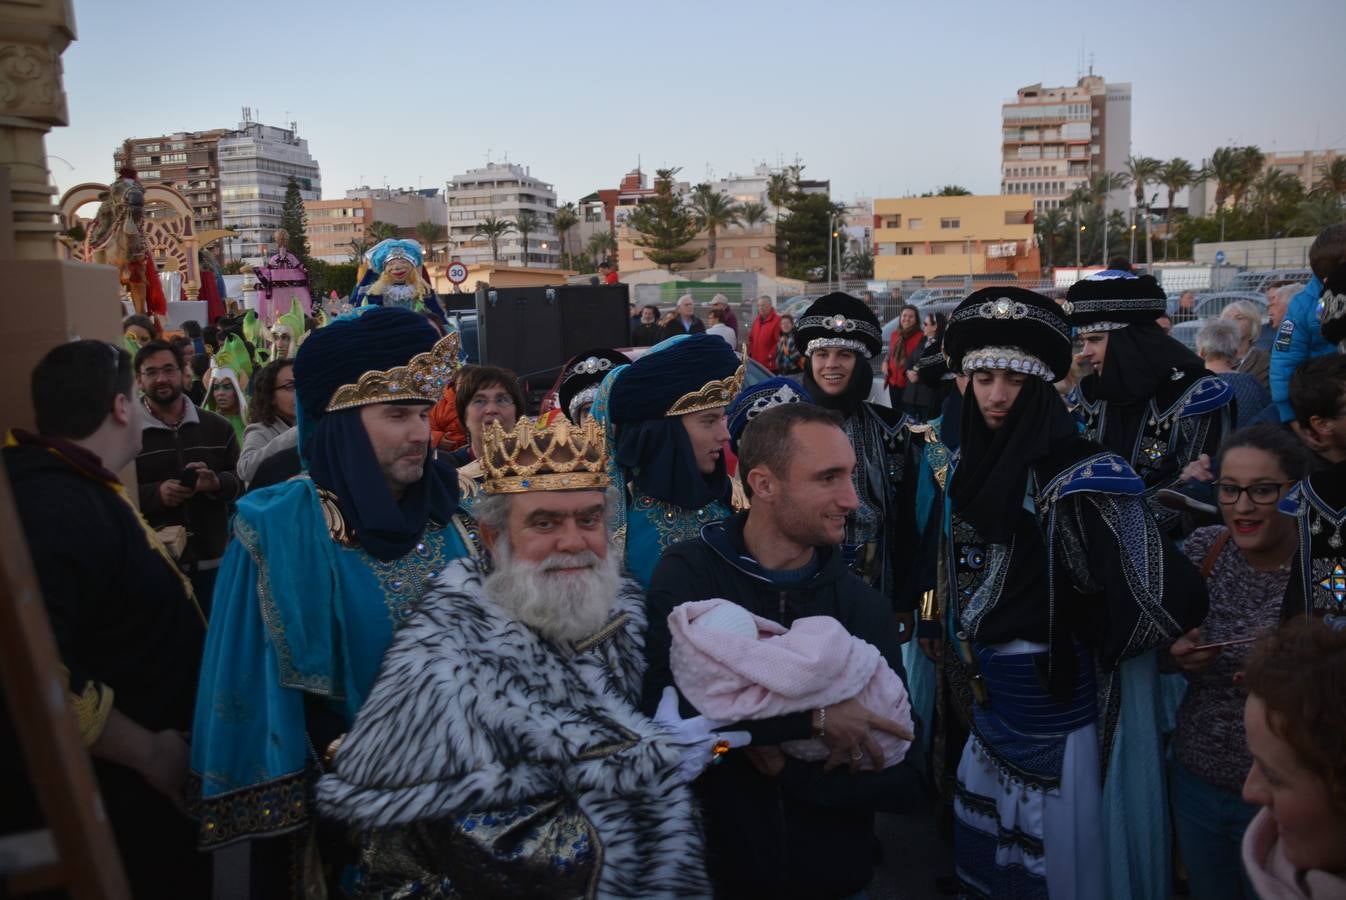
127	628
185	466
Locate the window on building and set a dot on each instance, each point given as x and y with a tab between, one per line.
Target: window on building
905	250
887	249
754	252
893	222
950	223
1016	217
728	253
915	224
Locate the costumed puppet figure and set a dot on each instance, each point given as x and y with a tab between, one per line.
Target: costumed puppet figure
1060	586
840	335
1149	399
1318	578
395	277
282	279
118	239
665	415
501	752
322	570
225	381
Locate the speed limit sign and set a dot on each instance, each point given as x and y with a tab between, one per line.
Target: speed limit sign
457	273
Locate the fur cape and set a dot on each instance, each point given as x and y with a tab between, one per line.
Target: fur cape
472	710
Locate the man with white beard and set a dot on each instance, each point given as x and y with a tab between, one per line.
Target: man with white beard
501	751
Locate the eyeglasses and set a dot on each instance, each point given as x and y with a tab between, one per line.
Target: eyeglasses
166	371
1264	493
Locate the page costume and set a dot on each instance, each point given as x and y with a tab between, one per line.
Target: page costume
1059	588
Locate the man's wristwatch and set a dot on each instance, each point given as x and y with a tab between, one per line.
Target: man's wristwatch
820	722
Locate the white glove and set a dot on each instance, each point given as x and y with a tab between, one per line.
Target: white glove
695	737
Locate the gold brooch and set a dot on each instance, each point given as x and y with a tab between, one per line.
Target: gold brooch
423	378
720	392
559	456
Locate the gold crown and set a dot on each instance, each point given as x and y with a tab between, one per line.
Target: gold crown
720	392
421	379
537	456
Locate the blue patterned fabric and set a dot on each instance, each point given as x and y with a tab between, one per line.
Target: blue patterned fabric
1207	395
297	618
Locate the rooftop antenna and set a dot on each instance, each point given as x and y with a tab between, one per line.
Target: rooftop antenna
1091	62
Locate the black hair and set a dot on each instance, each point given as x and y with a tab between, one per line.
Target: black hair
210	335
1119	264
182	341
191	328
1290	453
766	440
263	407
154	347
200	365
475	378
1328	250
941	322
144	322
74	386
1316	388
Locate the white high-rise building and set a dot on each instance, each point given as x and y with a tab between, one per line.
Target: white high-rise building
256	164
502	191
1054	138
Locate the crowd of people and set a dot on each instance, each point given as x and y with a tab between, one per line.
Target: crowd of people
373	630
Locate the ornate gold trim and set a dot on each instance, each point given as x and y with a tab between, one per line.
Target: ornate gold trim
556	456
336	523
720	392
423	378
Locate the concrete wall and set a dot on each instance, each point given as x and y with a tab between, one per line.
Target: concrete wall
1279	253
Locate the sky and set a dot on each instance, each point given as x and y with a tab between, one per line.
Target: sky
882	98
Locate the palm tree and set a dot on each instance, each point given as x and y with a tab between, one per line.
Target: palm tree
1143	171
1049	226
601	246
1077	198
566	218
753	213
526	222
428	233
359	247
382	231
493	230
1333	181
1226	168
1174	175
1251	161
1316	213
1271	189
1101	184
713	210
779	187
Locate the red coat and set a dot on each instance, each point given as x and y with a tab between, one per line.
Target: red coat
897	375
763	338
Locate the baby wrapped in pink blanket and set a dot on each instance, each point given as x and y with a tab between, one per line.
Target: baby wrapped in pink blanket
734	666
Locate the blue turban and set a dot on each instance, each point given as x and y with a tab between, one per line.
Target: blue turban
654	446
757	399
335	446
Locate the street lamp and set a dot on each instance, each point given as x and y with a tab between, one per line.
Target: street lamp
1078	234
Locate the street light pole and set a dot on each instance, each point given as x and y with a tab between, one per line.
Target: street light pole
1149	248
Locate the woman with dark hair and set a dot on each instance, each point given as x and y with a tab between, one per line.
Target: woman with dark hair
1295	721
1246	564
789	359
271	417
903	349
485	395
928	375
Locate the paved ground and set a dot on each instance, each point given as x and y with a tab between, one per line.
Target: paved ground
913	857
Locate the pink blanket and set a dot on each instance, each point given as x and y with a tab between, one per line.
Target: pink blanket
734	666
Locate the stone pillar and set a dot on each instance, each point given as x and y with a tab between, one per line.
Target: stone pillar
47	300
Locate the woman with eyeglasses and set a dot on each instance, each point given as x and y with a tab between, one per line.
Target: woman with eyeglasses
271	417
928	376
1246	563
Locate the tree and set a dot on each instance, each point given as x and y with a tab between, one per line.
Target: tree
493	229
1051	227
753	213
664	225
1174	175
779	187
1080	197
804	235
860	264
1316	213
1333	182
950	190
713	210
526	223
1251	161
382	231
429	233
602	245
293	221
1142	171
1272	190
359	247
566	218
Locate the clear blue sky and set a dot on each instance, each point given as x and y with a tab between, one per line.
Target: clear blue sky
883	98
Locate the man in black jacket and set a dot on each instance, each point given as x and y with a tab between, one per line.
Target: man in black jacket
778	826
126	625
